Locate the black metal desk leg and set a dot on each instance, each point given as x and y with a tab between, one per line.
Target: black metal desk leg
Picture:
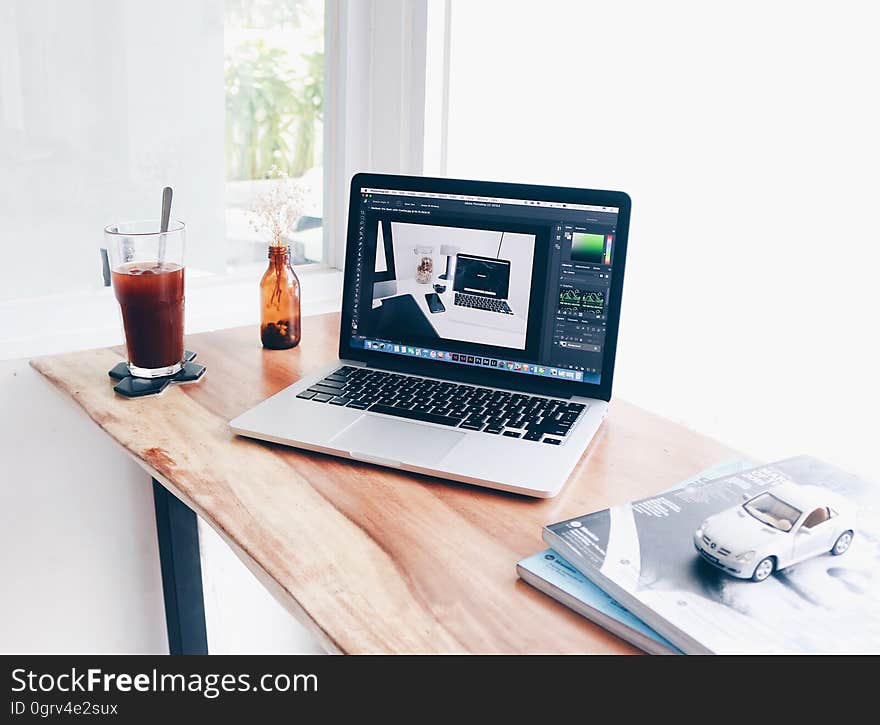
178	533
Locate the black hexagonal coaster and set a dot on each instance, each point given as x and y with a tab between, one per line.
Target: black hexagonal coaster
132	387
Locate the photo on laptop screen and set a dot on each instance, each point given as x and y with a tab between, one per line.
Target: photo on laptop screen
514	284
486	295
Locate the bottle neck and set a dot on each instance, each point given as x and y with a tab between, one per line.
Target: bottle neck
278	253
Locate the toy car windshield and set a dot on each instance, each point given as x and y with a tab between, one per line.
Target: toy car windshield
772	511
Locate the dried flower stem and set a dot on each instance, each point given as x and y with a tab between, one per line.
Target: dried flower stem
275	213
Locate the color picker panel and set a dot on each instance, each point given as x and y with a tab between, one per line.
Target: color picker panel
587	247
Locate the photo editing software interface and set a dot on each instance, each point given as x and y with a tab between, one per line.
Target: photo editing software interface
513	284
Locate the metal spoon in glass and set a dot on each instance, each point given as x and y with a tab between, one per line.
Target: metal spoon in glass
167	193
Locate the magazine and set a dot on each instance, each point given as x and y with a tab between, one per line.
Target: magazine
780	558
551	574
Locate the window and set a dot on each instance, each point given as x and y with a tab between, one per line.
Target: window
274	86
104	103
816	517
773	511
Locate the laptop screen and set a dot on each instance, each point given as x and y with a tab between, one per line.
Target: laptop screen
501	283
481	276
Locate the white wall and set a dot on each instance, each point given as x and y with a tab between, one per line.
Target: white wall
747	137
78	555
102	103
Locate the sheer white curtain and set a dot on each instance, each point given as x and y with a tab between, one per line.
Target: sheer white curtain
102	103
747	137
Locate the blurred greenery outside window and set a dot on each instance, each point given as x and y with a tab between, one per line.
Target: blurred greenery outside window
274	76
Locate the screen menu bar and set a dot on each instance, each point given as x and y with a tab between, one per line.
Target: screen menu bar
491	200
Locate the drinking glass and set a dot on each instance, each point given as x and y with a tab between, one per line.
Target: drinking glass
147	269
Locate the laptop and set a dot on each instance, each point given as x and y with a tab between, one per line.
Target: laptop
482	283
480	286
419	389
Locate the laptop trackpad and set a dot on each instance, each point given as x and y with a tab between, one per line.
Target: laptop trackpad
387	441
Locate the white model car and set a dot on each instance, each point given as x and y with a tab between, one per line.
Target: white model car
775	529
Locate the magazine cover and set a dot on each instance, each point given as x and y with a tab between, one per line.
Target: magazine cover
779	558
552	574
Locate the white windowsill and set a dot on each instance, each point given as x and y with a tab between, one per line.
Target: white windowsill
60	323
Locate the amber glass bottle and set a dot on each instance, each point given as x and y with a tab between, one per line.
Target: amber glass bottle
279	298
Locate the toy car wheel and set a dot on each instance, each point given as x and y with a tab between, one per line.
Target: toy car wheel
764	569
842	543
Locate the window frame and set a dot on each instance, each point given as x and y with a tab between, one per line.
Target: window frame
374	119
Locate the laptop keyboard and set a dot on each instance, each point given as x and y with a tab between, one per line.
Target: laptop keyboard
482	303
498	412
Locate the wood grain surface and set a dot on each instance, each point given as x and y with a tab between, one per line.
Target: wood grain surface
371	559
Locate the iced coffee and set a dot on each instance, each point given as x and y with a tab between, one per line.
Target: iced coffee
148	280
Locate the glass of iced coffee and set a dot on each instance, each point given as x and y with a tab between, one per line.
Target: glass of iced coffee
147	270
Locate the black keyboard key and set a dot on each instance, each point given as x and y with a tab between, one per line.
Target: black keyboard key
552	441
476	418
335	378
330	383
339	400
492	429
307	394
414	415
358	404
324	389
323	397
471	426
533	435
512	434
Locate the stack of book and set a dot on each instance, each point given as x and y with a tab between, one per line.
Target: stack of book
777	558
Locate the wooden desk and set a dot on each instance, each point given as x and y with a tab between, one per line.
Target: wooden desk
370	559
